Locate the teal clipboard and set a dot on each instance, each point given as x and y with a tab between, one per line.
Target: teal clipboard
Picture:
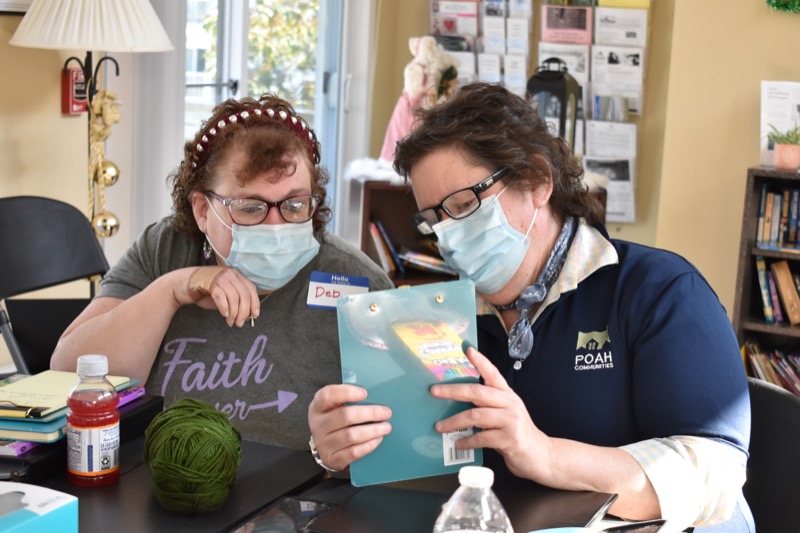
396	344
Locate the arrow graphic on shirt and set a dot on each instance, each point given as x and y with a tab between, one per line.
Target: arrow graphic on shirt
284	399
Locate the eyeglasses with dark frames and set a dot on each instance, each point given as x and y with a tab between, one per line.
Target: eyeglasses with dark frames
252	211
460	204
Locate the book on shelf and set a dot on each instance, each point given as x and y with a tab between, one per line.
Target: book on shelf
794	359
762	203
767	217
785	248
381	252
787	290
390	247
773	366
778	222
760	366
427	263
774	298
761	272
785	372
774	229
783	228
794	205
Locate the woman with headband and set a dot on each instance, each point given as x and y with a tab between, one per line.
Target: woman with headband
231	300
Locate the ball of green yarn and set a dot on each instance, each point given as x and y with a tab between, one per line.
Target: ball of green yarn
192	452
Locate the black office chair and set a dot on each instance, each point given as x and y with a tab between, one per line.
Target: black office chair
43	243
773	470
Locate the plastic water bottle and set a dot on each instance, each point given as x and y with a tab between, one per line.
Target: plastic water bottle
473	507
92	425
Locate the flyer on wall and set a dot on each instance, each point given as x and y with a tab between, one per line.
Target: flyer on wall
780	107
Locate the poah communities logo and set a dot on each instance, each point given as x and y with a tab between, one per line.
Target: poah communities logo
593	351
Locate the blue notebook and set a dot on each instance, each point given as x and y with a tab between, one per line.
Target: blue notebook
397	343
25	429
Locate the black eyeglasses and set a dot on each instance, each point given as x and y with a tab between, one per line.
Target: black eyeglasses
251	211
460	204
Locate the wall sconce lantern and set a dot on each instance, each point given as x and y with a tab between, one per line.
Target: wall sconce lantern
108	26
556	93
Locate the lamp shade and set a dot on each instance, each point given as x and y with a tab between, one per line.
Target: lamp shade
103	25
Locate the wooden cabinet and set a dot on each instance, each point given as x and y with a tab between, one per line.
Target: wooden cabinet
394	205
748	313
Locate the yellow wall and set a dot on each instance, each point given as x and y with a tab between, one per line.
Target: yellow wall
42	152
719	57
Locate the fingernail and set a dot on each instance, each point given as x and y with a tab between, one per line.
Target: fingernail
465	345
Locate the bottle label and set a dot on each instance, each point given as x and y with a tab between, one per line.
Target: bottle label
93	451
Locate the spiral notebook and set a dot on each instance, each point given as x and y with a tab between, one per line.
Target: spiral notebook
397	343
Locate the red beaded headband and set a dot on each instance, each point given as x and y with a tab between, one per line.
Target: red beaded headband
294	123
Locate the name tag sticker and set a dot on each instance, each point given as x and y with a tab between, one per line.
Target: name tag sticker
325	288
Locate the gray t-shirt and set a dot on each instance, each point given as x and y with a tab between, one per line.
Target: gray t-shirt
262	377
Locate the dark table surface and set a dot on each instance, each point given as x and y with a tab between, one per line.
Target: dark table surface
265	474
412	506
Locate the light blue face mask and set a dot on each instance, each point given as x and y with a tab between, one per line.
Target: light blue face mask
270	255
484	247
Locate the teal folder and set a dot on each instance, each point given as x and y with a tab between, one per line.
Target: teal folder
396	344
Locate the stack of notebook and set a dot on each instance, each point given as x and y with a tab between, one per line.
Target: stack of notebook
33	409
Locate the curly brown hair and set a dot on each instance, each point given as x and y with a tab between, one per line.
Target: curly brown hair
268	131
495	128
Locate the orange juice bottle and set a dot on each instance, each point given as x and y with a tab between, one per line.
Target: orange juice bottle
92	426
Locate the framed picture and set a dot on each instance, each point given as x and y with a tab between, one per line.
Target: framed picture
14	7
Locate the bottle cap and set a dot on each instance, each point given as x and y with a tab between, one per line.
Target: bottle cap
92	365
476	476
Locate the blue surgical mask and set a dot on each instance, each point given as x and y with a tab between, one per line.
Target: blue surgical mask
270	255
484	247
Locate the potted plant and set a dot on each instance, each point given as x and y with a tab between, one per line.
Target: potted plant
786	152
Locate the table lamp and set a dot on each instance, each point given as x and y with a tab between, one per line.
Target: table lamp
105	25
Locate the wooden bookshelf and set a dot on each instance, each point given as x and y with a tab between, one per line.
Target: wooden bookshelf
394	204
748	313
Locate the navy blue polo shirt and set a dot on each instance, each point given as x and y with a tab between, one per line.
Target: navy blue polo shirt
641	349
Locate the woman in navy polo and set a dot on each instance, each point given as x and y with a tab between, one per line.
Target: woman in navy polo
605	365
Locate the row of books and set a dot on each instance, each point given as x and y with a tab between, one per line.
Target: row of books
780	291
779	219
22	430
396	260
774	366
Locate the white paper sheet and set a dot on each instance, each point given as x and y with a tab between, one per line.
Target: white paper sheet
620	187
618	71
610	139
576	56
780	106
625	27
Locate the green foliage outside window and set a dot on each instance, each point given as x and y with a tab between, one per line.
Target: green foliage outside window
283	49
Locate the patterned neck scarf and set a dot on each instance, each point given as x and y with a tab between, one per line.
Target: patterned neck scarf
520	338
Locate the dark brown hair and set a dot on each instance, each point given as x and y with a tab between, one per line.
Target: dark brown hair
495	128
268	131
